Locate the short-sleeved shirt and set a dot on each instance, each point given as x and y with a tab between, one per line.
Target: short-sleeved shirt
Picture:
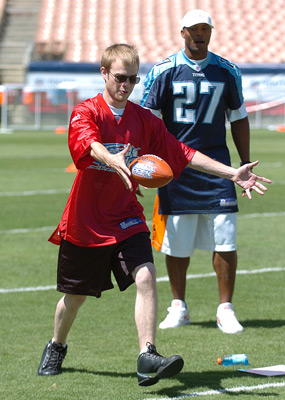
100	210
194	100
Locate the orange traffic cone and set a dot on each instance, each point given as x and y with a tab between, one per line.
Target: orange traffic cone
281	128
71	168
60	130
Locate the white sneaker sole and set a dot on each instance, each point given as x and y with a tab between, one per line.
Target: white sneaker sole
163	325
238	330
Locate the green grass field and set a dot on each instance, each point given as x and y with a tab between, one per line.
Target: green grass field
103	349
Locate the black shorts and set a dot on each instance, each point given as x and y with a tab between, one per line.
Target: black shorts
87	270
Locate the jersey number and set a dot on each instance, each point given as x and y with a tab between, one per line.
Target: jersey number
189	89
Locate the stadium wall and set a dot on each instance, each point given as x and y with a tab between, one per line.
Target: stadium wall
52	89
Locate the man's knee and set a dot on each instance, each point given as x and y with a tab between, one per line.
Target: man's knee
145	274
74	301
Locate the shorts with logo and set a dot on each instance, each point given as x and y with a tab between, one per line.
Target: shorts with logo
87	270
179	235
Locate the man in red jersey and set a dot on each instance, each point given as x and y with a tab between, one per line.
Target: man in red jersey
103	228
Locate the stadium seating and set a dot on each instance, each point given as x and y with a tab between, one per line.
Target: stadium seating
2	10
245	30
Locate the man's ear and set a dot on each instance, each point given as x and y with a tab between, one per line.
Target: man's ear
182	33
104	73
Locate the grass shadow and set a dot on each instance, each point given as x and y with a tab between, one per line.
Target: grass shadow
210	381
254	323
111	374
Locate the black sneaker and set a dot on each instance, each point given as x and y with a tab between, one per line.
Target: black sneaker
52	359
152	366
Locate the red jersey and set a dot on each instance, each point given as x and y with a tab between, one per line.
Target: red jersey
100	210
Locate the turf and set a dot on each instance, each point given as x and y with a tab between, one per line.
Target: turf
102	353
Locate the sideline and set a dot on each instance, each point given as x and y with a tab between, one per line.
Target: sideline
161	279
222	391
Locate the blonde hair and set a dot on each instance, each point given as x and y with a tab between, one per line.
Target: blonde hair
125	52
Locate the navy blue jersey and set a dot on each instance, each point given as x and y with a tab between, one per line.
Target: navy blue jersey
194	100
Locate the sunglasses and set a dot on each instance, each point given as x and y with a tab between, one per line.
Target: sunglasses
123	78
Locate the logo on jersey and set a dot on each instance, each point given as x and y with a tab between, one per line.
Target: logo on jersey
130	222
115	148
228	202
227	62
165	61
201	74
75	118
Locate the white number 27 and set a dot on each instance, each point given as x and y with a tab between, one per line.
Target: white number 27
188	116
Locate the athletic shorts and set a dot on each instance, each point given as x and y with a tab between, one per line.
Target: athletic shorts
87	270
180	235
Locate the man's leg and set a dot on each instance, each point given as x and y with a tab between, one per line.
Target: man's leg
151	365
56	348
65	314
177	269
178	313
225	265
146	304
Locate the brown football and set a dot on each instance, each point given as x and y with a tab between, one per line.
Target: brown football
151	171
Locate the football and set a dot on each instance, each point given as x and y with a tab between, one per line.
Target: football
151	171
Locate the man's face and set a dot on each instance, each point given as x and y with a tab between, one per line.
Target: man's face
197	38
117	93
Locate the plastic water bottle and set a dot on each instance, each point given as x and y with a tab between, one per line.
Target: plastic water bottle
234	359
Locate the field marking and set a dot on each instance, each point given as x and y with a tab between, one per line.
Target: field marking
28	289
238	272
27	230
276	164
61	191
47	228
222	391
261	215
161	279
34	192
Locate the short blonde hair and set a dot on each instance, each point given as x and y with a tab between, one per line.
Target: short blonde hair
125	52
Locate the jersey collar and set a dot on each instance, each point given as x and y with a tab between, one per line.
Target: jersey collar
196	66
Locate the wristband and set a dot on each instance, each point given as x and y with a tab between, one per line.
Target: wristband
244	162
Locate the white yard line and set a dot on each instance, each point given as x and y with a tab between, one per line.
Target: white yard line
263	215
28	289
34	192
238	272
25	193
27	230
161	279
222	391
47	228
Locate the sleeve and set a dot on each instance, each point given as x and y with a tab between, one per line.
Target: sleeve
155	86
157	113
236	109
82	132
235	115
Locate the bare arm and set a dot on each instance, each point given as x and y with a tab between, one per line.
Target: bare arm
115	161
243	176
241	137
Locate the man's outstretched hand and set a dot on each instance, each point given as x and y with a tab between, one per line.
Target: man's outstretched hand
245	178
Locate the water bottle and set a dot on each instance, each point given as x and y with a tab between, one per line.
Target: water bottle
234	359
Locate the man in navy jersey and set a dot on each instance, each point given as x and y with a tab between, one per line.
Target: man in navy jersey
103	229
195	90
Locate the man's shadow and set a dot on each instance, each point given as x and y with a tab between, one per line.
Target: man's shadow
253	323
188	381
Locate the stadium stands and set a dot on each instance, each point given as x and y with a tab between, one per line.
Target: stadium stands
42	94
2	10
246	31
17	34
